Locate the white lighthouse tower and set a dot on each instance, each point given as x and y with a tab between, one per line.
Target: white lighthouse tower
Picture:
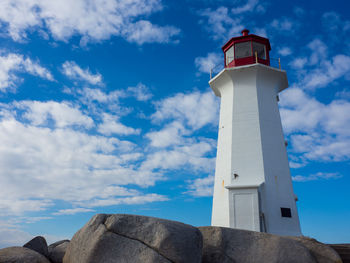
253	187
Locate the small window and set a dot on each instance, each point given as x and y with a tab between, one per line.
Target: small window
243	50
259	49
286	212
229	55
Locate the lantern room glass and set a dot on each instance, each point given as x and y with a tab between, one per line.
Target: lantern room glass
260	49
229	55
243	49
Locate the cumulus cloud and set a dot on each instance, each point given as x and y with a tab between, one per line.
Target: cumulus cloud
93	21
284	24
190	156
73	211
63	114
195	109
174	145
285	51
111	125
141	92
219	23
39	165
49	151
249	6
171	134
145	32
316	177
201	187
334	23
223	22
211	62
89	95
337	67
13	237
318	69
73	71
317	131
141	199
12	64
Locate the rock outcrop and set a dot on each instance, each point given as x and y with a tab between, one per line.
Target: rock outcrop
21	255
323	253
131	238
39	245
57	251
226	245
124	238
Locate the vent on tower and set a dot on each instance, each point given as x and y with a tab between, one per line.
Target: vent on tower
246	49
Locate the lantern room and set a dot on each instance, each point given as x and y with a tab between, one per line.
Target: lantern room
246	49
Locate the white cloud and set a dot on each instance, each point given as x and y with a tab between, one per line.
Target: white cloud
317	69
201	187
142	199
111	125
195	109
298	63
212	61
12	64
89	95
283	24
140	92
329	70
317	131
220	24
344	94
174	146
47	155
285	51
73	211
299	112
145	32
319	51
34	219
13	237
93	21
315	177
170	135
73	71
333	22
38	165
249	6
191	156
63	114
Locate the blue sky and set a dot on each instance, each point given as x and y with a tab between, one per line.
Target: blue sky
105	108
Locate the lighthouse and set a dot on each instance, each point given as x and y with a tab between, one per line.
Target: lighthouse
253	187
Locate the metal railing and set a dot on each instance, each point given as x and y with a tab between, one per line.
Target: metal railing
219	67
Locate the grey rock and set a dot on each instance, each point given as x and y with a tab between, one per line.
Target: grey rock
135	239
53	245
322	252
57	251
39	245
227	245
21	255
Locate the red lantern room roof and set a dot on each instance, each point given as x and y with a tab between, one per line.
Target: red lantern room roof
246	49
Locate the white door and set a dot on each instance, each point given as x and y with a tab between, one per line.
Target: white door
244	209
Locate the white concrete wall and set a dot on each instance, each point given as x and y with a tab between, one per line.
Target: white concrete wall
251	145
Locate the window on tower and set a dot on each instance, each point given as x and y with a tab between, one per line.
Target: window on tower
229	55
286	212
259	49
243	49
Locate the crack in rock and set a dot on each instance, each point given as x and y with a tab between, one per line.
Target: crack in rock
147	245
